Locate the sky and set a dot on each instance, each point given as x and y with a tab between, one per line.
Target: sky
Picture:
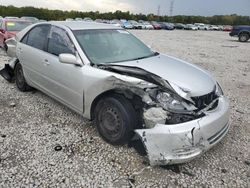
181	7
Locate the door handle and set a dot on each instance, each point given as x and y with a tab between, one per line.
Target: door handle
46	62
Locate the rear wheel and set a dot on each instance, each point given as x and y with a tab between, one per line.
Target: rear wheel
115	119
19	78
243	37
5	47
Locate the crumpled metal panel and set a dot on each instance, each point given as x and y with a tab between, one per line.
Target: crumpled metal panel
179	143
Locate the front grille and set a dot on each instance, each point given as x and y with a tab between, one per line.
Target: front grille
204	100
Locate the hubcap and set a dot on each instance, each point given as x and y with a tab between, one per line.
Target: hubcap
243	38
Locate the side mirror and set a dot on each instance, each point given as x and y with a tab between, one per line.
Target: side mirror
68	59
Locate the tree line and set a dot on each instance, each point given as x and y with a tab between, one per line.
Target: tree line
46	14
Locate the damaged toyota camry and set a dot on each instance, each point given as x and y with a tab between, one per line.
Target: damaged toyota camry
176	109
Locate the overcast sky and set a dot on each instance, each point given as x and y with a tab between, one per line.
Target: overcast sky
181	7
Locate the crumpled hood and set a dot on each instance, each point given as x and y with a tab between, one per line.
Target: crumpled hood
187	76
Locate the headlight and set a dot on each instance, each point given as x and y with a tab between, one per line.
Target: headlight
218	91
169	103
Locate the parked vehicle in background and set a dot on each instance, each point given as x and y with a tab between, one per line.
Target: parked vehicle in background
136	25
78	19
9	28
108	75
42	21
227	28
190	27
155	24
146	24
98	20
241	31
30	18
202	26
11	17
214	28
126	24
220	27
116	23
87	19
179	26
69	19
166	26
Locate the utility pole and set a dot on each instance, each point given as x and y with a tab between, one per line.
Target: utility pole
159	12
171	8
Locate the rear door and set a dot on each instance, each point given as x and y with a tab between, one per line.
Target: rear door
30	51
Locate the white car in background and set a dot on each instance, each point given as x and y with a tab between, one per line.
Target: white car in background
146	24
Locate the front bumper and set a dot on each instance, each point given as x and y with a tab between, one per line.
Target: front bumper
180	143
232	34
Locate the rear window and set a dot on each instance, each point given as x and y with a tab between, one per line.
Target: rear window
16	25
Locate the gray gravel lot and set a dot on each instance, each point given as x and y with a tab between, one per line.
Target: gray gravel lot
32	126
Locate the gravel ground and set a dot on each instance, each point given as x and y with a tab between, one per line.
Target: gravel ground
45	144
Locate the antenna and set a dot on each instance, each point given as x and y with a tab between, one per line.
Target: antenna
171	8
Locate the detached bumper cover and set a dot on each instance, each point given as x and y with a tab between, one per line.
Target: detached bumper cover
180	143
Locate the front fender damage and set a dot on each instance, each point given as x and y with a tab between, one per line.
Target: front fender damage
162	142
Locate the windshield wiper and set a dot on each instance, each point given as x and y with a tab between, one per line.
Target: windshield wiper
151	55
138	58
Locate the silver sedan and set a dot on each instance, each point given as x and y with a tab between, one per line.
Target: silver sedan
176	109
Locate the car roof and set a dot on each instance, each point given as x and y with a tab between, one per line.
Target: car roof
82	25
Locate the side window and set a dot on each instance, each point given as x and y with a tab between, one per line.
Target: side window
25	39
37	36
59	42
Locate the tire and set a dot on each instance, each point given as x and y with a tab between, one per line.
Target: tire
115	119
5	47
19	79
243	37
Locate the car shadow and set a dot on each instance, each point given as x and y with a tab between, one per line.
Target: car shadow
231	40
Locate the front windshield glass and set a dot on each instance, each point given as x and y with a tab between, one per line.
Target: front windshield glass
16	25
110	46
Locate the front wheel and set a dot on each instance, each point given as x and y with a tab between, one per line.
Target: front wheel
243	37
115	119
19	78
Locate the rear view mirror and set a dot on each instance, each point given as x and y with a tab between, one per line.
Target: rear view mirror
68	59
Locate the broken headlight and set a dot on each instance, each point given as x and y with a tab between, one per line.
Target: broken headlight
168	102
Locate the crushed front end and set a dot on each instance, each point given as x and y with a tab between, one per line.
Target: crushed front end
177	125
177	130
181	142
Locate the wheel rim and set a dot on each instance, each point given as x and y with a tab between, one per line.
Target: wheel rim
110	122
243	38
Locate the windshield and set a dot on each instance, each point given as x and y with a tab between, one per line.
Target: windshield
110	46
16	25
